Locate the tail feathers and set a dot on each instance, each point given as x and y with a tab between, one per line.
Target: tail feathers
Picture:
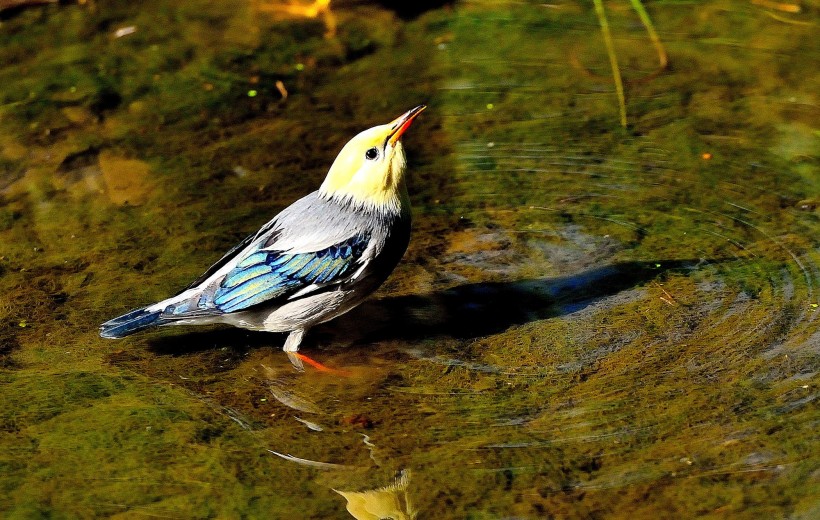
132	322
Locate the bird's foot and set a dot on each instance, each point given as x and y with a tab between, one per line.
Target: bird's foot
298	360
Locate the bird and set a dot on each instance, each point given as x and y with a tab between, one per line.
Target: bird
317	259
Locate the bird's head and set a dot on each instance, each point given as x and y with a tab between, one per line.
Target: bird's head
369	171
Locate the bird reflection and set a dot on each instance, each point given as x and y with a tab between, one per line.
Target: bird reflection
296	9
391	501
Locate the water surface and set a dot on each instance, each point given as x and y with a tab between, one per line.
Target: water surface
592	321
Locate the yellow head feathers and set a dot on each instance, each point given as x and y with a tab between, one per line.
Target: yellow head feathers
370	168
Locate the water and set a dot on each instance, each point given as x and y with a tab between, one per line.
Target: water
591	321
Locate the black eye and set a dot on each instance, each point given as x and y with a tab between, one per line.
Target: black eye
372	154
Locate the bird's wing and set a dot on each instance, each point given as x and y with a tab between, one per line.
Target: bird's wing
232	254
275	273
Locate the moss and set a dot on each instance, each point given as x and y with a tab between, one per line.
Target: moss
589	322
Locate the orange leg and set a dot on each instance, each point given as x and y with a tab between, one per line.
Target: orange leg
322	368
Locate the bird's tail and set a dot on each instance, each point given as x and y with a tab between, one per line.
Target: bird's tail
132	322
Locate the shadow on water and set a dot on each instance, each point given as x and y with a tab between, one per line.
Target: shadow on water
461	312
410	10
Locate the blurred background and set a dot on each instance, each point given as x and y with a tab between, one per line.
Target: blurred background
609	307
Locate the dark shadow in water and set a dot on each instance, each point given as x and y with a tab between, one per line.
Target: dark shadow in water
465	311
409	10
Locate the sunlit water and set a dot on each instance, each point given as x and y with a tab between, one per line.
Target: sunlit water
591	322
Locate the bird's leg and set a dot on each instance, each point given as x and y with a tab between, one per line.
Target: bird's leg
292	347
293	341
298	360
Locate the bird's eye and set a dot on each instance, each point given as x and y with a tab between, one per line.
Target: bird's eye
372	154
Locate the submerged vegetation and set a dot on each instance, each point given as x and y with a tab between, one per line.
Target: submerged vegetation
590	321
613	58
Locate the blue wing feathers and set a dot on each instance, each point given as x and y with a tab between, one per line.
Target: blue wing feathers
306	271
265	275
259	257
254	291
297	262
324	267
246	274
261	276
270	258
334	270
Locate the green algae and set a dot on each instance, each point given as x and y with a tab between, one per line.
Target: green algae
590	322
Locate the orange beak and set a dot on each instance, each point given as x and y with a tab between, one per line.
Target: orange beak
402	123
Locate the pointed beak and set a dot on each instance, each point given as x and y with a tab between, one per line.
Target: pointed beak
400	125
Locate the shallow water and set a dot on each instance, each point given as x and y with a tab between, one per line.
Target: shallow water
591	321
